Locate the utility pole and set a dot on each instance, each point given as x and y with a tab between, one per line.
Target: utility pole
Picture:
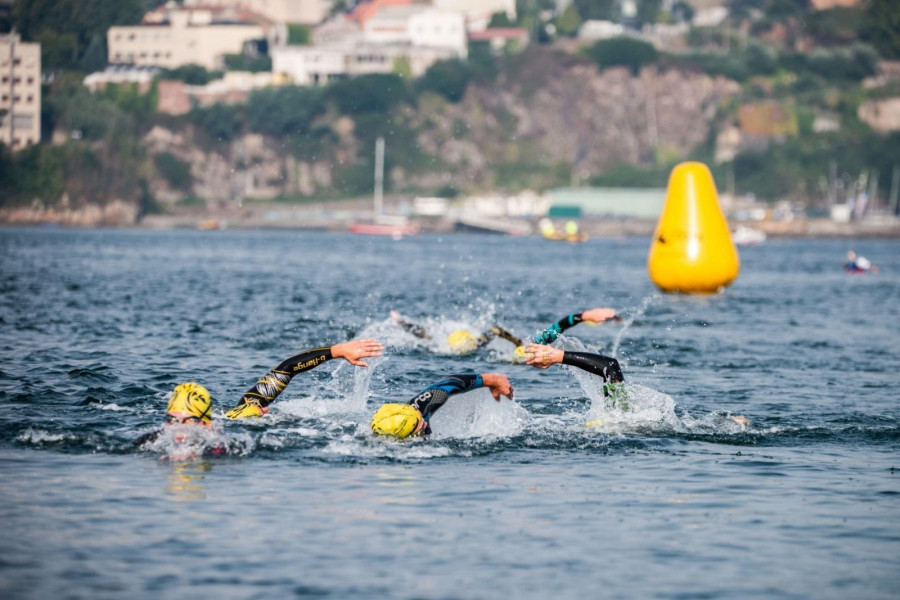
379	175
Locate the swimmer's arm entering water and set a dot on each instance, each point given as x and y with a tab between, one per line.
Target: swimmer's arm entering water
542	357
416	330
594	315
429	400
255	401
496	330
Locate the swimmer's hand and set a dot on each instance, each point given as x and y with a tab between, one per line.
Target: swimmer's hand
498	384
598	315
541	356
354	350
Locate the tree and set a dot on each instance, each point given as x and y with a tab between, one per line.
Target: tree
449	78
284	111
569	21
368	93
606	10
883	28
623	51
648	11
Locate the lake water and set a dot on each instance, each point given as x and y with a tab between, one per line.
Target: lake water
511	500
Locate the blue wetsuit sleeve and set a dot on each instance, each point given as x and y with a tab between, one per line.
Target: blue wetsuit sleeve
550	334
429	400
273	383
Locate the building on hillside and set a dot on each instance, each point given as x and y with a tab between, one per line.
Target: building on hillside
502	39
478	13
305	12
395	38
364	11
20	92
419	27
187	37
320	65
142	77
621	203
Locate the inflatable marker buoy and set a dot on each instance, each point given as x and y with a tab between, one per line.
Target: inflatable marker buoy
692	251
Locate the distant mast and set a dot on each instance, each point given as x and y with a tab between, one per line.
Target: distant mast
379	175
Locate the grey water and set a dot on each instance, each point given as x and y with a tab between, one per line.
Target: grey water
517	499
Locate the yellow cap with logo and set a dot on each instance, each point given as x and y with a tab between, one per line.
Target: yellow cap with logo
462	342
398	420
191	398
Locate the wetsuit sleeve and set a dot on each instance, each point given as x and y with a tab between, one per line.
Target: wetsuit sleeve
273	383
604	366
550	334
506	335
429	400
416	330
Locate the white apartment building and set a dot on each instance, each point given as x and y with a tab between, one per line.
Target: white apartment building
305	12
20	92
188	37
319	65
478	13
419	26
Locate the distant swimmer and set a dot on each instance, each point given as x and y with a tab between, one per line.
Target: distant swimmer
412	419
542	357
858	264
460	341
191	404
465	342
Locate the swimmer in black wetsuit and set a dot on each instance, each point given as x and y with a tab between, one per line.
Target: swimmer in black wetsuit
191	404
412	418
464	342
542	357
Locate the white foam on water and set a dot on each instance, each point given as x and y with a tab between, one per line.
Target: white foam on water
184	442
477	415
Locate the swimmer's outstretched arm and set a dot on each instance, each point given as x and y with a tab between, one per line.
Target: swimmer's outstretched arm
429	400
594	315
496	330
416	330
543	356
270	385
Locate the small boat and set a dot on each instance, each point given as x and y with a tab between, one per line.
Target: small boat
747	236
395	230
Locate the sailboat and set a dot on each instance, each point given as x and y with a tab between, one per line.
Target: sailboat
396	226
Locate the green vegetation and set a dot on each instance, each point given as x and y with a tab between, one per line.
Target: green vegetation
622	51
98	152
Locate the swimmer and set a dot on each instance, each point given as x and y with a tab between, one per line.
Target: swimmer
542	357
412	418
460	341
191	403
464	342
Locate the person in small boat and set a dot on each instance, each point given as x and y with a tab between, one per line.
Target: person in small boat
412	418
858	264
464	342
191	403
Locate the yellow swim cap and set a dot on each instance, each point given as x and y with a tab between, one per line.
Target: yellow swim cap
245	410
398	420
462	342
191	398
518	355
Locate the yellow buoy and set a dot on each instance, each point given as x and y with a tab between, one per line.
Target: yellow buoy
692	251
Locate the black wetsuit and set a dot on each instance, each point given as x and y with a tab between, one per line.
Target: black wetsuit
550	334
273	383
269	385
481	341
429	400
